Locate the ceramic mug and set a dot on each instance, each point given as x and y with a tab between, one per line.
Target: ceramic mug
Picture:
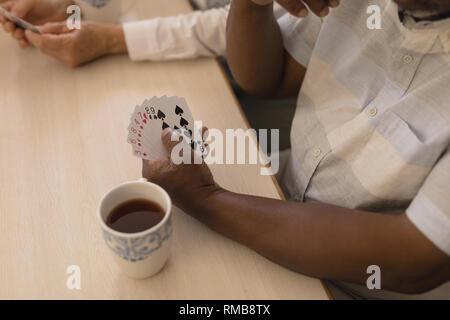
143	254
105	11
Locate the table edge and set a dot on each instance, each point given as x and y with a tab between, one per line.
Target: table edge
274	180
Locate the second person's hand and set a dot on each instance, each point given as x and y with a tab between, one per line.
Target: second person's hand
37	12
76	47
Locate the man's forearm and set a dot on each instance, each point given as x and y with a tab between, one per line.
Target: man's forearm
254	47
326	241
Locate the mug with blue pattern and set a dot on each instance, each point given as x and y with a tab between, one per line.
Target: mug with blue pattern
105	11
98	3
142	254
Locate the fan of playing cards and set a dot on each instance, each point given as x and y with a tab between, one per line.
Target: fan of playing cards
152	117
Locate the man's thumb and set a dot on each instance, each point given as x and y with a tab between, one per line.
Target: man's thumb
34	38
54	27
171	138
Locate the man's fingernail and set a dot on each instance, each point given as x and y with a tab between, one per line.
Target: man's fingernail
303	13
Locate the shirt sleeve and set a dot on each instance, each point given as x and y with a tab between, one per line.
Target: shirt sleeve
192	35
430	209
300	36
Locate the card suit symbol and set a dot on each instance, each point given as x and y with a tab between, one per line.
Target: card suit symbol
200	145
140	145
142	128
145	154
178	111
183	122
164	125
161	115
187	133
176	128
139	135
145	121
145	116
155	117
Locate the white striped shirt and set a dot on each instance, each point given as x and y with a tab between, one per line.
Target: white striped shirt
372	126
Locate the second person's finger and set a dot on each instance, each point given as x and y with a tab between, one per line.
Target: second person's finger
34	39
19	34
23	43
7	5
54	27
10	27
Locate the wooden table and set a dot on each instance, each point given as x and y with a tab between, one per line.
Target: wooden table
63	145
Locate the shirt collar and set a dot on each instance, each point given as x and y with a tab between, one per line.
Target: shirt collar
424	36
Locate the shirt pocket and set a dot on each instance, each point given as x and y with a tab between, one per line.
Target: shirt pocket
415	147
384	154
394	162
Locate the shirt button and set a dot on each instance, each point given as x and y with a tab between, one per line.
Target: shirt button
407	59
317	153
373	112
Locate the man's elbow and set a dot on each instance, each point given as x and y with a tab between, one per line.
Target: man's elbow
257	87
259	91
418	282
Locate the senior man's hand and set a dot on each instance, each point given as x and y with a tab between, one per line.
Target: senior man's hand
36	12
76	47
189	185
299	8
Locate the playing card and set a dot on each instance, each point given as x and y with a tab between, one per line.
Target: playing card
139	137
145	130
179	116
149	120
153	130
136	127
141	121
136	135
139	149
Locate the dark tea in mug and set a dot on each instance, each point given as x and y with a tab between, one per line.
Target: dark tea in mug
135	216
